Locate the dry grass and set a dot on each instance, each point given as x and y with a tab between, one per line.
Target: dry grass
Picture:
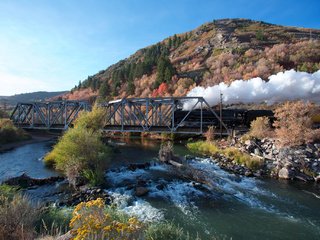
17	218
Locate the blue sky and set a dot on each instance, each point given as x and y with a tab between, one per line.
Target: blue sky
52	44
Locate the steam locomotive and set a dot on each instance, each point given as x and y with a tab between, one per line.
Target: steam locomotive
230	117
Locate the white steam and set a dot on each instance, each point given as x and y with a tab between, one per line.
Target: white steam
284	86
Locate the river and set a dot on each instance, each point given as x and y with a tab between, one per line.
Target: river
235	207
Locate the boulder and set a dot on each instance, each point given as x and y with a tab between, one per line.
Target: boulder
248	173
141	191
257	152
26	181
303	177
285	173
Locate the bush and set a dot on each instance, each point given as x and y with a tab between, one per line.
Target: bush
3	114
91	221
165	231
209	134
94	120
80	153
294	124
79	150
260	128
203	147
9	133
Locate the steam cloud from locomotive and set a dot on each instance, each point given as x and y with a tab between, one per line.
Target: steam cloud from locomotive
283	86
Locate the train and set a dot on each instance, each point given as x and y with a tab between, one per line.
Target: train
230	117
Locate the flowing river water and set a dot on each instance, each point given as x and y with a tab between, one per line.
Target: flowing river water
234	207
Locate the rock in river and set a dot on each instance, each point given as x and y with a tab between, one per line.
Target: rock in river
285	173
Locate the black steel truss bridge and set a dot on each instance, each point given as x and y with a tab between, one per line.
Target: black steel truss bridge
57	115
159	115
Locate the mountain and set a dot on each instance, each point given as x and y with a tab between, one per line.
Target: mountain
29	97
219	51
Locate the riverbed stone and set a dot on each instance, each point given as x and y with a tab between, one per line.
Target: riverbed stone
141	191
285	173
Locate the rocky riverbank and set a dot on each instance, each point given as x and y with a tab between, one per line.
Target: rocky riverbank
291	163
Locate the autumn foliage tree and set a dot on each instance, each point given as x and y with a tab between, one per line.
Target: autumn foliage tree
260	128
294	124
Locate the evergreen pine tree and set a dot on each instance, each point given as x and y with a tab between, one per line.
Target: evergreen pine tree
170	43
167	75
130	88
104	89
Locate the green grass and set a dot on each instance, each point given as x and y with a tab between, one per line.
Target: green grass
209	148
165	231
54	221
8	191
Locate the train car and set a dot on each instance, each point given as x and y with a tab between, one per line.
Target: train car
251	115
230	117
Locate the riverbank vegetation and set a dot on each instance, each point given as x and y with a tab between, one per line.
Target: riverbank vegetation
293	125
233	154
17	215
22	219
284	147
80	153
10	133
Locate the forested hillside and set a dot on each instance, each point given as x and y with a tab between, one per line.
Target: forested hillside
219	51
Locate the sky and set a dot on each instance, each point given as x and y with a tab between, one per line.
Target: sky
49	45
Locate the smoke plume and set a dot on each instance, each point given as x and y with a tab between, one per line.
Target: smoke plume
283	86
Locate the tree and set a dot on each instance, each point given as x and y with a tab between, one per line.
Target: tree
104	89
170	43
130	88
294	124
165	71
260	128
167	75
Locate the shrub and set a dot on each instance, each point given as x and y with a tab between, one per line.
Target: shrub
209	134
294	124
94	120
260	128
17	218
78	150
3	114
91	221
203	147
80	153
9	133
165	231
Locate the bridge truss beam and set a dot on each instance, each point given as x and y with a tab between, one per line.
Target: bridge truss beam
158	115
47	115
